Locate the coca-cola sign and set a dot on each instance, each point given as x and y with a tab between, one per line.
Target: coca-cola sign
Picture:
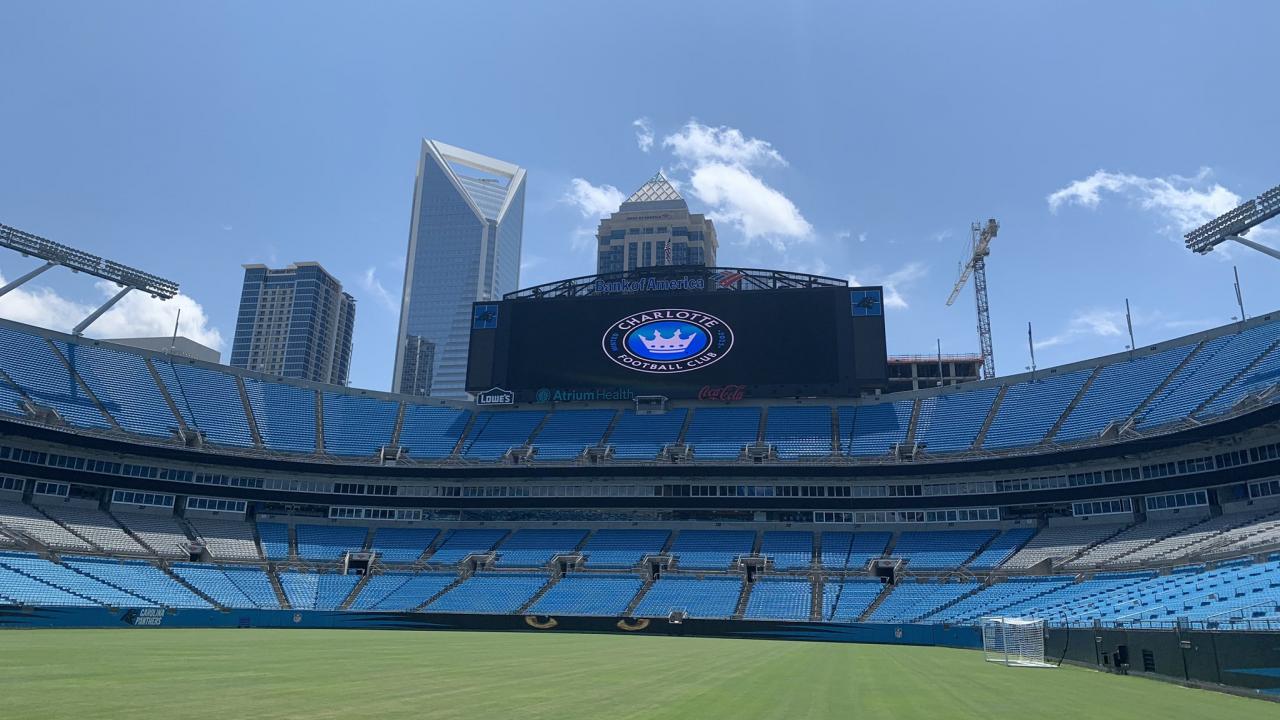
725	393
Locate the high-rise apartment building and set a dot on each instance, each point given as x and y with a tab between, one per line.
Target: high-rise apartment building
464	246
654	227
295	322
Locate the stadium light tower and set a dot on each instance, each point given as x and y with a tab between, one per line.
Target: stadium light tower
78	261
976	265
1233	225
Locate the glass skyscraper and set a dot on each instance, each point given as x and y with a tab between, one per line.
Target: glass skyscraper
654	227
294	322
464	246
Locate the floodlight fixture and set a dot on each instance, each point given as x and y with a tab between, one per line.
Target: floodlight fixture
128	278
1233	225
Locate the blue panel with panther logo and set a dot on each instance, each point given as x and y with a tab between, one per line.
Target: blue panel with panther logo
866	303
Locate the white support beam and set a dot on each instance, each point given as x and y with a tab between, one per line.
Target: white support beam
4	290
79	329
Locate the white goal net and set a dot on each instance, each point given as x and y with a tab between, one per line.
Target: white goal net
1014	641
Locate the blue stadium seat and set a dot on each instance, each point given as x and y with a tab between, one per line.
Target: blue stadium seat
939	549
868	430
209	401
1030	409
708	597
275	540
622	548
789	549
431	432
30	362
535	548
798	432
780	599
568	433
458	544
489	593
400	591
850	551
286	415
587	594
1002	548
402	545
1208	371
138	578
721	433
846	601
124	386
328	542
357	426
494	433
950	422
711	549
1117	391
642	437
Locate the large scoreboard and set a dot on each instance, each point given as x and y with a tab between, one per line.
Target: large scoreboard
683	340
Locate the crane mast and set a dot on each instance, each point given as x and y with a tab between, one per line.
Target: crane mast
976	265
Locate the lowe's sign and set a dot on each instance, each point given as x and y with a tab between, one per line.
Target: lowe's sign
495	396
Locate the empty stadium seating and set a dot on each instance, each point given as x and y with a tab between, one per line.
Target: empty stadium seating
912	600
642	437
112	385
162	533
490	593
275	540
610	548
24	519
401	591
328	542
722	433
709	597
95	526
1001	549
587	594
458	544
495	433
797	432
357	426
844	550
848	600
940	549
402	545
780	599
226	539
710	549
789	550
138	578
568	433
535	548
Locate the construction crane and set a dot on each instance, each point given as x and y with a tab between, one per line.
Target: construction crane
979	249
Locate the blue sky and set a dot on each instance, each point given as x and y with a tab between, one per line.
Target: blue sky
852	139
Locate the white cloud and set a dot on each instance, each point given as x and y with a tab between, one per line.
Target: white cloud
593	201
1184	202
137	315
896	283
1091	323
721	162
372	285
644	134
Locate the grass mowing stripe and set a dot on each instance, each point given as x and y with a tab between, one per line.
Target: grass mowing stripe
321	674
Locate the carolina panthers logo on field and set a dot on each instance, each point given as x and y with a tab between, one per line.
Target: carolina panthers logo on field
668	341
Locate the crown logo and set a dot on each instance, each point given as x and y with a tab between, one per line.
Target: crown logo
673	344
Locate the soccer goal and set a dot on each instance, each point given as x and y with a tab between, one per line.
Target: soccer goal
1017	642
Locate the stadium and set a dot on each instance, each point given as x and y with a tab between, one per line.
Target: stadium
646	493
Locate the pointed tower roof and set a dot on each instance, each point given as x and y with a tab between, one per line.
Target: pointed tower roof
491	191
656	189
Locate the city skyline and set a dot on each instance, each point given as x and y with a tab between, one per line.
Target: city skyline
822	139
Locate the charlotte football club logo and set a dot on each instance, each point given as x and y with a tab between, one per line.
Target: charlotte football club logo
668	341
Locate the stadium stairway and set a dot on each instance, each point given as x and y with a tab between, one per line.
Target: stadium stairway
1155	394
71	530
1235	378
129	531
1071	406
1119	528
456	582
355	592
815	602
981	549
254	431
164	567
276	587
538	595
981	437
885	592
635	601
744	597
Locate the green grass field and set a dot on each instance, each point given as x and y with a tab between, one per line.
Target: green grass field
55	674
